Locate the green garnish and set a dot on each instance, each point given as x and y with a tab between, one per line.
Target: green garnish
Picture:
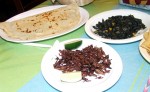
73	44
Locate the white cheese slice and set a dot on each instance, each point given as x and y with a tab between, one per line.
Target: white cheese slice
71	76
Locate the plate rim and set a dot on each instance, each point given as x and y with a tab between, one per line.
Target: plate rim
115	80
123	41
84	17
143	52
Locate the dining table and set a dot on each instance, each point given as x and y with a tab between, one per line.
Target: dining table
20	65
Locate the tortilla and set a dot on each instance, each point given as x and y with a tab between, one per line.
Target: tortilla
43	25
146	43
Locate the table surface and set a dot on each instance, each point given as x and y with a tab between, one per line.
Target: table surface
20	65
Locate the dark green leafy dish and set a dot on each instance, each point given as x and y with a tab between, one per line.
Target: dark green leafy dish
119	27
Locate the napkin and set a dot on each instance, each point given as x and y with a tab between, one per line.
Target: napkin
143	4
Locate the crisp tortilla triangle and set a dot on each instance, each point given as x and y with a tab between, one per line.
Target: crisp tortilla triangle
146	43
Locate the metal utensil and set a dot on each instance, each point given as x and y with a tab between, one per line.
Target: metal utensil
41	45
37	45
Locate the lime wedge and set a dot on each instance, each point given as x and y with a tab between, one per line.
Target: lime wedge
73	44
71	76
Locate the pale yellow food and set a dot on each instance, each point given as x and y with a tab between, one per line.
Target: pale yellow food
43	25
146	43
71	76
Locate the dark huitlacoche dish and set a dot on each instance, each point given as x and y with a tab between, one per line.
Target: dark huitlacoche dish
91	61
119	27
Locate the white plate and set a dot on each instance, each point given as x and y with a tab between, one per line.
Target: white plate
124	12
52	76
84	18
143	51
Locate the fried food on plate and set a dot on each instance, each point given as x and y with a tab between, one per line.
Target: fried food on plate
44	24
146	43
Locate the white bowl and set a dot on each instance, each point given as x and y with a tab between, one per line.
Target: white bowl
79	2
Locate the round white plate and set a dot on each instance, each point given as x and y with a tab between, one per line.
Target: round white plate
143	51
84	17
124	12
52	76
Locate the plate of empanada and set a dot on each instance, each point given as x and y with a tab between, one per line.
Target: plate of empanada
43	23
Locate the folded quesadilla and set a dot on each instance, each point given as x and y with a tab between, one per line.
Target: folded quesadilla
43	25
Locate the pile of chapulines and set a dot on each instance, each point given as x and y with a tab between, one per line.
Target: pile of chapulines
91	61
